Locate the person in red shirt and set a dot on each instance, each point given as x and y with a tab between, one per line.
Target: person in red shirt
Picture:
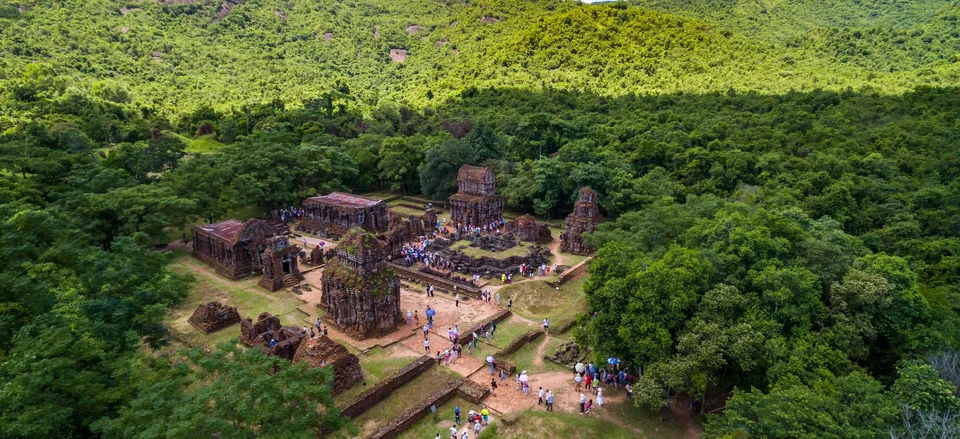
588	381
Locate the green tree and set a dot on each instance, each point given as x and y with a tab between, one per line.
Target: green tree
438	175
229	393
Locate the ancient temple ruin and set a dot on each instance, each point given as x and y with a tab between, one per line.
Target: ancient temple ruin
476	203
360	292
267	331
583	219
280	266
231	247
334	214
323	351
214	316
402	232
527	228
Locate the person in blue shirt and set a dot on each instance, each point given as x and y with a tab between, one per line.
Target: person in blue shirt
456	414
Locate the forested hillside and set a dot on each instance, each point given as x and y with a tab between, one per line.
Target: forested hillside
781	181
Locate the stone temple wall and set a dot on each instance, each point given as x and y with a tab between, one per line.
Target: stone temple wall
322	351
584	219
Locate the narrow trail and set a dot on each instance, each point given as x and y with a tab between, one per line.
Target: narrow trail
538	358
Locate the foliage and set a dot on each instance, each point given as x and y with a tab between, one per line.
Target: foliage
232	393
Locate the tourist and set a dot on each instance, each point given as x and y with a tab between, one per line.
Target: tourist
324	330
503	375
439	358
485	414
510	303
453	432
493	365
464	435
583	403
409	317
476	430
493	386
426	331
629	390
589	405
546	326
311	333
416	317
549	401
318	324
588	382
540	397
456	298
498	299
426	345
577	379
456	415
600	397
438	436
273	342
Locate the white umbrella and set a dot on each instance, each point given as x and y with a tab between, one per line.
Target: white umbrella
490	359
524	378
580	367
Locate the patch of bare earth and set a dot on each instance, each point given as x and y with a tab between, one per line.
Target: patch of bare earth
398	55
376	33
441	43
489	20
413	29
124	29
125	11
327	36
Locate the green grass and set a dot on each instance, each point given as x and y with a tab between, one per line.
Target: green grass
536	300
203	144
463	245
537	424
249	298
525	358
428	427
402	400
376	364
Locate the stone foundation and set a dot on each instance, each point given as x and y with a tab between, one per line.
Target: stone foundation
584	219
324	352
384	388
214	316
527	228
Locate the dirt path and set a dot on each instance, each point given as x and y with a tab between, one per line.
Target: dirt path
538	357
558	257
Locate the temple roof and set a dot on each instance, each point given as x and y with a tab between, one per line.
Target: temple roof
475	173
359	241
344	200
226	230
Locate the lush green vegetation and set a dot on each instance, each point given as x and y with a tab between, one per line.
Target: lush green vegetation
781	180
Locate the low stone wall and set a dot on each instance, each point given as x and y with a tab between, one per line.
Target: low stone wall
473	392
573	272
412	416
381	390
415	275
508	368
519	342
497	318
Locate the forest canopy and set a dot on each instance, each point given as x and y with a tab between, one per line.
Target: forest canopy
780	181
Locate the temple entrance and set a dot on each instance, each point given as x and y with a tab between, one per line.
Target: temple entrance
285	266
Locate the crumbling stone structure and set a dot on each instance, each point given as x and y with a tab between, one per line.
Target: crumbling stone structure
476	203
360	292
584	219
336	213
267	329
401	232
430	217
231	247
485	265
527	228
323	351
280	266
316	256
214	316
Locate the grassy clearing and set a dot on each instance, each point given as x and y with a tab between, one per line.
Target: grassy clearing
376	364
525	358
402	400
536	300
463	245
537	424
246	295
428	427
